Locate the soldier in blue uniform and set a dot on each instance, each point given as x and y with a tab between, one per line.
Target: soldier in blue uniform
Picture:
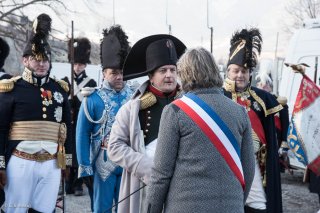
95	119
82	50
34	129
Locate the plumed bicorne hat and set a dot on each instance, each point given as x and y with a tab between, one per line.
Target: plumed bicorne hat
245	48
4	51
37	45
114	47
150	53
82	50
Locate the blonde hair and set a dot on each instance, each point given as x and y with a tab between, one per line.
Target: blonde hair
197	69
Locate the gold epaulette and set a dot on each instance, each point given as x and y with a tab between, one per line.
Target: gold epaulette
7	85
282	100
63	84
147	100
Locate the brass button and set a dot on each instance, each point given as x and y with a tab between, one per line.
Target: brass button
149	117
148	124
144	136
44	109
146	130
44	116
148	111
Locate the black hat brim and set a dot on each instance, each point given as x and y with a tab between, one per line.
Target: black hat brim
135	63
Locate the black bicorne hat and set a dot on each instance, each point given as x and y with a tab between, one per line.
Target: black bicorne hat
4	51
37	45
150	53
245	48
82	50
114	47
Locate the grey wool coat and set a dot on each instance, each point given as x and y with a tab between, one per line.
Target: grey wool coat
126	148
189	174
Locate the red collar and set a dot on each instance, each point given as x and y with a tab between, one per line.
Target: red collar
161	94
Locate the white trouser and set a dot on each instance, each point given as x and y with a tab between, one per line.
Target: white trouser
257	197
31	184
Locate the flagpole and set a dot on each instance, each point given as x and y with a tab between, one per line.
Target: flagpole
315	70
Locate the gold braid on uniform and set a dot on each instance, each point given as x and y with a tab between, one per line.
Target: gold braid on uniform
230	86
147	100
260	101
63	84
7	85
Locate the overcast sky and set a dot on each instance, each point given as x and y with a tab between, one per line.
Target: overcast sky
188	18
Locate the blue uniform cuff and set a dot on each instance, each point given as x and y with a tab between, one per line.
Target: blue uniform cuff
84	171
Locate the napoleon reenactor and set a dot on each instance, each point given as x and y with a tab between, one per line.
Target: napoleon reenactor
134	134
4	52
265	193
34	129
81	57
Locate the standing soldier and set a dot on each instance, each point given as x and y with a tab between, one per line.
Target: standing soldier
134	134
35	122
95	120
265	193
4	52
82	50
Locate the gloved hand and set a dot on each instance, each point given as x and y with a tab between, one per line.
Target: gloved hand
283	152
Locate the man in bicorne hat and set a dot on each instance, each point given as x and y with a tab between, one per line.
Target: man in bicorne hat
35	123
265	193
96	116
134	134
82	50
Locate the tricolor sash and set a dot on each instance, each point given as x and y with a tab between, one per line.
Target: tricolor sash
215	129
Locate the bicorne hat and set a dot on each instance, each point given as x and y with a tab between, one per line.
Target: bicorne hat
37	44
150	53
245	48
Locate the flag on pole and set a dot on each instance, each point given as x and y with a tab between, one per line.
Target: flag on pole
304	129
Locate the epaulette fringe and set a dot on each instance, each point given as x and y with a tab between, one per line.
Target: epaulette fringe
63	84
7	85
147	100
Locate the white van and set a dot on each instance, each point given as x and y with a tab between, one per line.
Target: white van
304	47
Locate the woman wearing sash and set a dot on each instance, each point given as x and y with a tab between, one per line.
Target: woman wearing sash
204	158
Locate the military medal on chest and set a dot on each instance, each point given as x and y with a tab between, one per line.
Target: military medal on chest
243	99
46	96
